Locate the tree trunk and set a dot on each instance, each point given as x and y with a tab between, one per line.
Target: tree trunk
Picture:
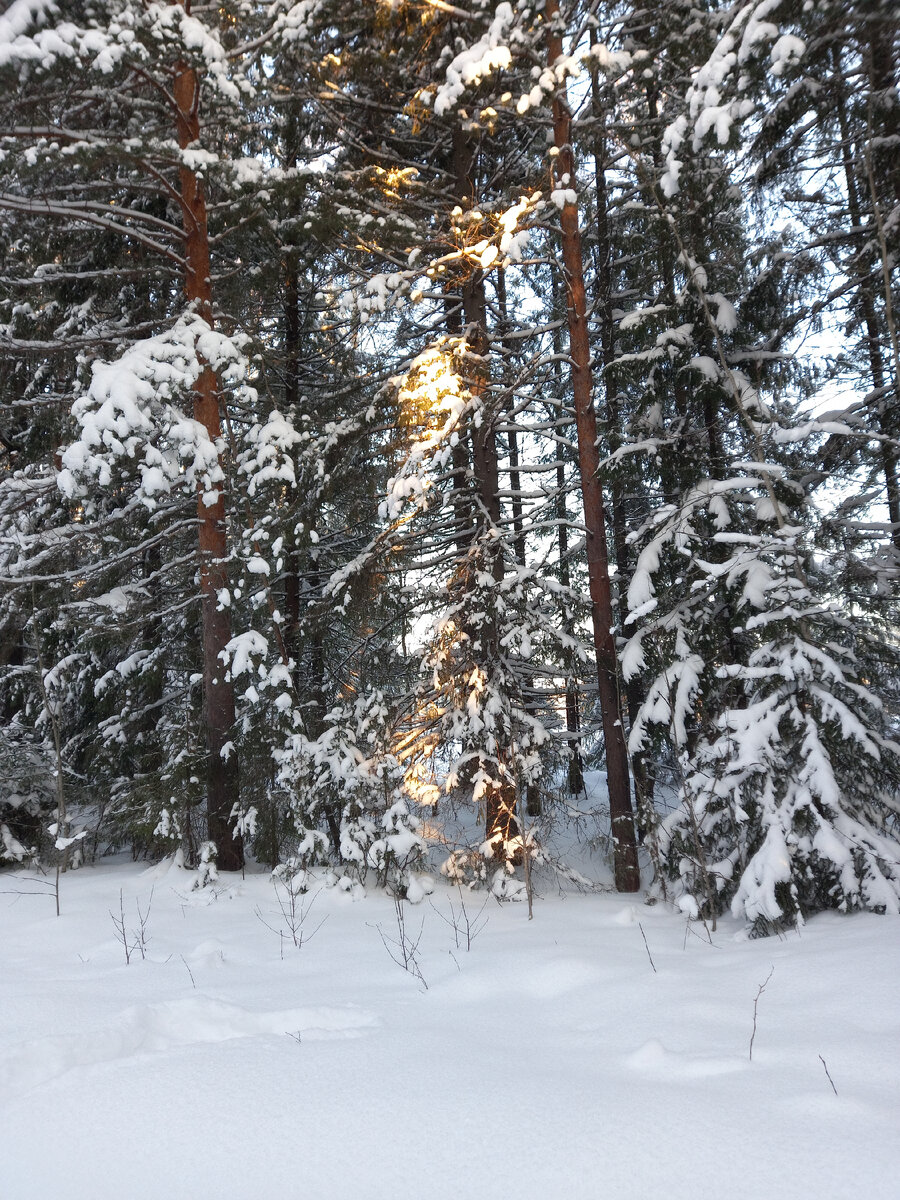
464	529
887	451
515	478
532	790
292	583
634	692
218	693
575	770
501	823
627	873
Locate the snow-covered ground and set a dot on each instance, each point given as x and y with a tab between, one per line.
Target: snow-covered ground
549	1060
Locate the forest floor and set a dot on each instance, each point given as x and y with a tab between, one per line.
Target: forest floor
600	1050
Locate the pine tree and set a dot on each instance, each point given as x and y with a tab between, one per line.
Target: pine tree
106	107
770	816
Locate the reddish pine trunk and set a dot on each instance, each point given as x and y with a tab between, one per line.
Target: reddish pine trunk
218	694
627	873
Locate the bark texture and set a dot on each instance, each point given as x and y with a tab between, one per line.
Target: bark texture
627	873
218	695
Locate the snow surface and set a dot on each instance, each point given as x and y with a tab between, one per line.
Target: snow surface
549	1060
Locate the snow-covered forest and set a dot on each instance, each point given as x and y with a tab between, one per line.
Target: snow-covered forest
409	406
449	462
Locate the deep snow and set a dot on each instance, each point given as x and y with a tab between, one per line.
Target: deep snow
548	1061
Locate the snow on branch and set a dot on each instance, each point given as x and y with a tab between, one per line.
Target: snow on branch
710	109
126	37
133	410
433	398
489	54
268	455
